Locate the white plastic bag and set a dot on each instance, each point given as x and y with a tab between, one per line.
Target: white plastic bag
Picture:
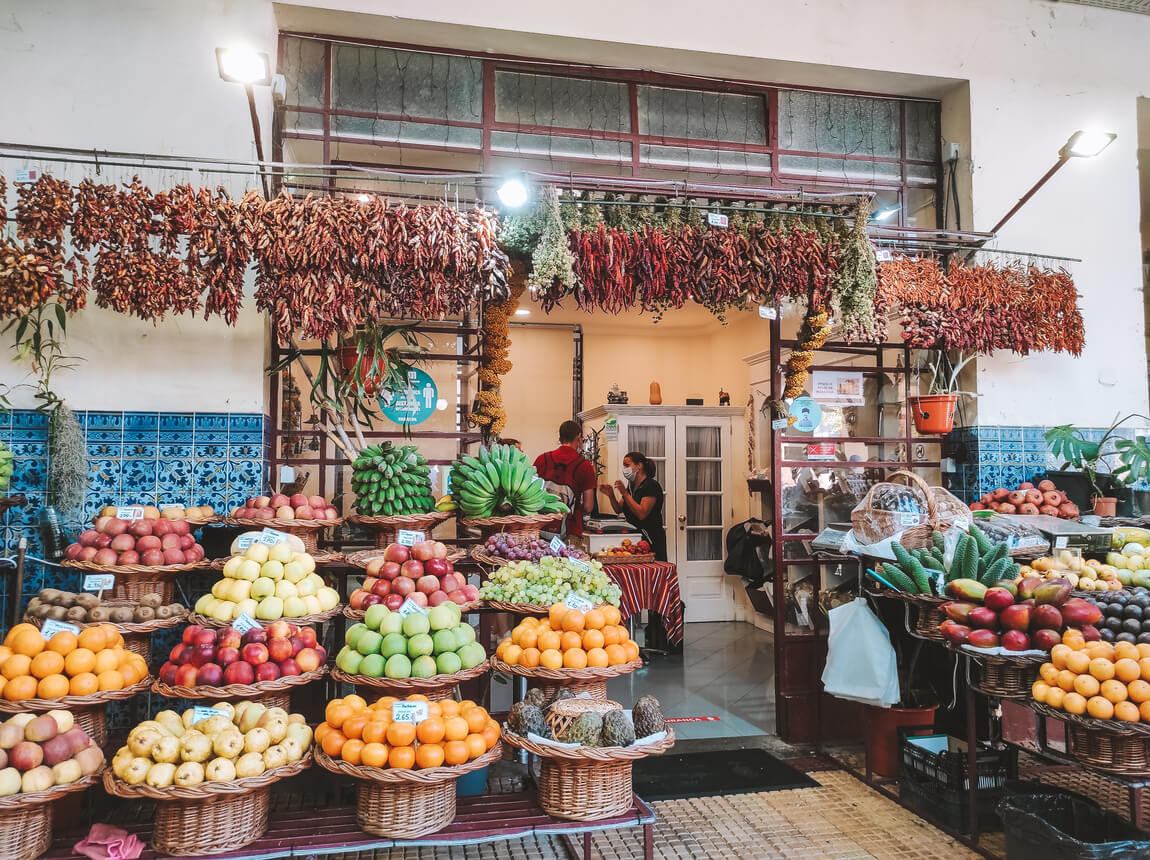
861	663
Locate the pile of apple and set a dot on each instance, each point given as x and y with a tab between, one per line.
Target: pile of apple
211	658
238	741
1029	500
168	512
281	507
1028	616
41	752
421	572
152	542
268	583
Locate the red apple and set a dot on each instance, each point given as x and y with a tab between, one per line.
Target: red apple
297	645
396	552
255	653
412	569
170	541
205	636
239	673
418	598
304	513
174	556
393	601
279	649
196	553
374	566
227	656
423	551
317	502
402	586
128	557
209	675
186	675
87	553
25	755
181	528
186	542
228	637
382	588
370	600
72	551
100	522
260	502
330	513
161	527
356	599
458	596
449	583
437	597
190	633
319	649
469	591
265	514
307	634
105	556
307	660
267	672
436	566
88	537
177	649
255	635
148	542
288	667
168	673
390	570
202	654
440	550
278	500
115	526
122	543
141	528
103	541
278	630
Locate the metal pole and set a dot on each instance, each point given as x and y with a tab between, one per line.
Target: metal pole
1062	159
251	93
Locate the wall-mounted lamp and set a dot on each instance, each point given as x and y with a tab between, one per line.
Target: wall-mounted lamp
513	193
886	213
239	65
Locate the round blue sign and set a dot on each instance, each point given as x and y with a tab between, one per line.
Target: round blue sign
414	403
808	412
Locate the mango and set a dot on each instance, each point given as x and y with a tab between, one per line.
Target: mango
958	610
1054	592
966	589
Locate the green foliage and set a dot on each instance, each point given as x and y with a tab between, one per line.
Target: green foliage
1109	463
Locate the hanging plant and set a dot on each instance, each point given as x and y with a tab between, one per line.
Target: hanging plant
812	335
68	463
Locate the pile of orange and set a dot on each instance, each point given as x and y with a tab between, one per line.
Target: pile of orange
67	664
359	733
1103	680
569	639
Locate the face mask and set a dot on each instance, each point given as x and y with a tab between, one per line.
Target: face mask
628	473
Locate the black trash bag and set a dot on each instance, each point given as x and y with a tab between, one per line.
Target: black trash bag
1056	825
749	552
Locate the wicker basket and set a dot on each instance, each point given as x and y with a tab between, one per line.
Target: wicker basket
1109	745
873	524
209	818
436	688
592	681
521	527
405	804
125	627
358	614
89	712
586	783
364	557
563	713
301	621
1001	676
387	529
306	530
26	820
272	694
136	571
515	608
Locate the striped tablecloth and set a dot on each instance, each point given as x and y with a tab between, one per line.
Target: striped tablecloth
653	586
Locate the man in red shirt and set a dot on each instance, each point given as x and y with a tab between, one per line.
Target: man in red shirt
567	467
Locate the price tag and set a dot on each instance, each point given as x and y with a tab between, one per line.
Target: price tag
203	712
768	313
910	519
133	512
30	174
883	255
99	581
780	424
244	622
406	537
557	544
1061	542
717	219
579	564
271	537
409	606
244	541
409	712
577	601
52	627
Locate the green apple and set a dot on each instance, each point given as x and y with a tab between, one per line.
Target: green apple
248	569
246	607
305	560
351	636
294	572
272	570
369	642
221	587
316	579
232	565
257	552
393	643
471	655
348	659
423	667
419	645
286	589
392	622
224	610
416	623
306	587
397	666
312	604
440	617
372	666
204	604
464	634
374	615
448	663
453	608
281	552
269	609
262	587
444	640
294	607
328	598
240	589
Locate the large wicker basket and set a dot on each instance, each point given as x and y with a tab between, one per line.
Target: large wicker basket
300	621
436	688
272	694
387	529
1110	745
521	527
210	818
405	804
562	713
1002	676
586	783
89	712
26	820
306	530
592	680
872	523
133	581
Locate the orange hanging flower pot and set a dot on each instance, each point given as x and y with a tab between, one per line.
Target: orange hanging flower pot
934	413
368	372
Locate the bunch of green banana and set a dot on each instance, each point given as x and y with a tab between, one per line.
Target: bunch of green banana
500	481
5	466
391	481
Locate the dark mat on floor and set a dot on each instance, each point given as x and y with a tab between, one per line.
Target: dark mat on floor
671	777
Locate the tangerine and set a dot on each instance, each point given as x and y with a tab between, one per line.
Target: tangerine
63	642
592	639
358	703
1074	704
595	619
106	661
16	666
613	635
1115	691
490	734
375	732
455	728
1126	711
321	730
611	613
455	752
551	659
1073	638
131	673
1143	649
1086	685
110	680
5	653
1100	649
1100	708
27	643
1127	669
476	719
631	650
333	742
1101	668
84	684
1144	667
549	641
20	688
336	712
429	755
1058	655
555	615
46	663
1048	673
449	707
79	661
597	657
476	746
373	754
1126	651
1078	662
1144	711
1054	697
1039	690
1139	691
433	709
615	654
93	638
402	758
529	639
52	687
400	735
570	639
111	635
16	631
431	730
511	655
575	658
353	725
574	621
352	751
529	658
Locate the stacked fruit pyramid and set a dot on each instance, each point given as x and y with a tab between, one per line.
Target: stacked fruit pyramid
569	639
67	664
500	481
391	481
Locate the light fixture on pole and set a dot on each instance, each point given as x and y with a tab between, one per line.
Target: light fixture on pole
513	192
886	213
1082	144
251	69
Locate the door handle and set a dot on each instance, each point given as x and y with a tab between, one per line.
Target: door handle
682	522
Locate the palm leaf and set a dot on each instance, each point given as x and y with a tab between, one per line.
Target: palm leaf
1066	441
1134	460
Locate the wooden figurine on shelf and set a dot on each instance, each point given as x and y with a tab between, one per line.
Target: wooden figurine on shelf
724	398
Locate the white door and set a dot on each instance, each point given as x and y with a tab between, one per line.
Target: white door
655	439
698	526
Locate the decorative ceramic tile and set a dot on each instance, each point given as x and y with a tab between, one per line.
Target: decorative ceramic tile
253	437
138	476
245	477
141	421
245	421
210	451
104	451
175	452
1013	434
139	451
209	477
174	479
147	437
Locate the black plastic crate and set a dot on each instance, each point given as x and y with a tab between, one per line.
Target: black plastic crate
1064	826
935	759
948	806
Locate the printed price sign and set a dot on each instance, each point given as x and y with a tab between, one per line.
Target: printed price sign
244	541
579	564
715	219
52	627
577	601
409	606
780	424
407	537
30	174
883	255
409	712
271	537
244	622
132	512
99	581
557	544
768	313
203	712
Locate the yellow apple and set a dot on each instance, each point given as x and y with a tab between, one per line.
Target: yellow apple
270	608
223	611
240	590
294	572
312	605
272	569
285	589
204	604
249	569
306	560
262	587
305	586
257	552
328	598
221	587
246	607
294	607
281	552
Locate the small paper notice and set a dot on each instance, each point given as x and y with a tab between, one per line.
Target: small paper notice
244	622
407	537
409	606
203	712
577	601
99	581
132	512
52	627
409	712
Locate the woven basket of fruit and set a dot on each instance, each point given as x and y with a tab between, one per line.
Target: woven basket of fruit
527	527
306	530
624	557
261	691
1114	746
90	712
26	819
365	557
387	529
436	688
136	571
312	619
146	615
592	681
515	608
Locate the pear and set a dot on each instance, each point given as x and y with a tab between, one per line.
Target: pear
167	749
250	764
137	770
161	775
171	723
220	770
250	716
189	773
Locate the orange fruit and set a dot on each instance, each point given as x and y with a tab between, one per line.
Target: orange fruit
1078	662
595	619
402	758
1038	691
357	703
79	661
111	635
611	613
374	754
1144	667
475	745
592	639
106	661
131	673
466	705
1127	711
1048	673
1114	691
400	735
321	730
1126	651
336	712
501	647
63	642
28	642
93	638
1100	649
551	659
353	725
52	687
1086	685
1066	680
555	615
433	709
16	631
574	621
476	719
20	688
16	666
84	684
631	650
1139	691
1144	712
333	742
110	680
1143	650
490	734
575	658
1099	708
5	653
1073	638
615	654
613	636
1102	669
455	728
1054	697
374	732
511	655
46	663
570	639
529	658
1074	703
351	751
449	707
516	634
597	657
431	730
1058	655
1127	669
429	755
529	639
549	641
454	752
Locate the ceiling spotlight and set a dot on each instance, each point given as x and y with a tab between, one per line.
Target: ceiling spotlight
522	312
887	213
1087	144
512	193
363	198
244	66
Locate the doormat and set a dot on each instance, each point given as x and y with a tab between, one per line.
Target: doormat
672	777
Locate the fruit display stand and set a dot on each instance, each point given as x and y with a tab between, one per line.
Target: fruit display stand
624	558
270	694
306	530
586	783
1003	676
520	527
405	803
592	680
88	711
525	609
137	635
386	529
210	818
26	819
928	615
436	688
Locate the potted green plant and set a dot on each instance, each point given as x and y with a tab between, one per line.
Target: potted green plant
934	411
1110	465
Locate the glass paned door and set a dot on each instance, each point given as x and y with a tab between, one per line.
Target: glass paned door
703	456
653	440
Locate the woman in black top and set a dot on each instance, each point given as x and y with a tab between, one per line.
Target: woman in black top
640	500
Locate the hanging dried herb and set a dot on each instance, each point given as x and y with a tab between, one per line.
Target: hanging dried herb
857	284
551	262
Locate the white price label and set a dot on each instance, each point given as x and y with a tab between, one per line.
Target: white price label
883	255
52	627
406	537
409	606
271	537
203	712
1061	542
716	219
911	519
409	712
99	581
577	601
244	622
780	424
768	313
557	544
244	541
30	174
579	564
132	512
